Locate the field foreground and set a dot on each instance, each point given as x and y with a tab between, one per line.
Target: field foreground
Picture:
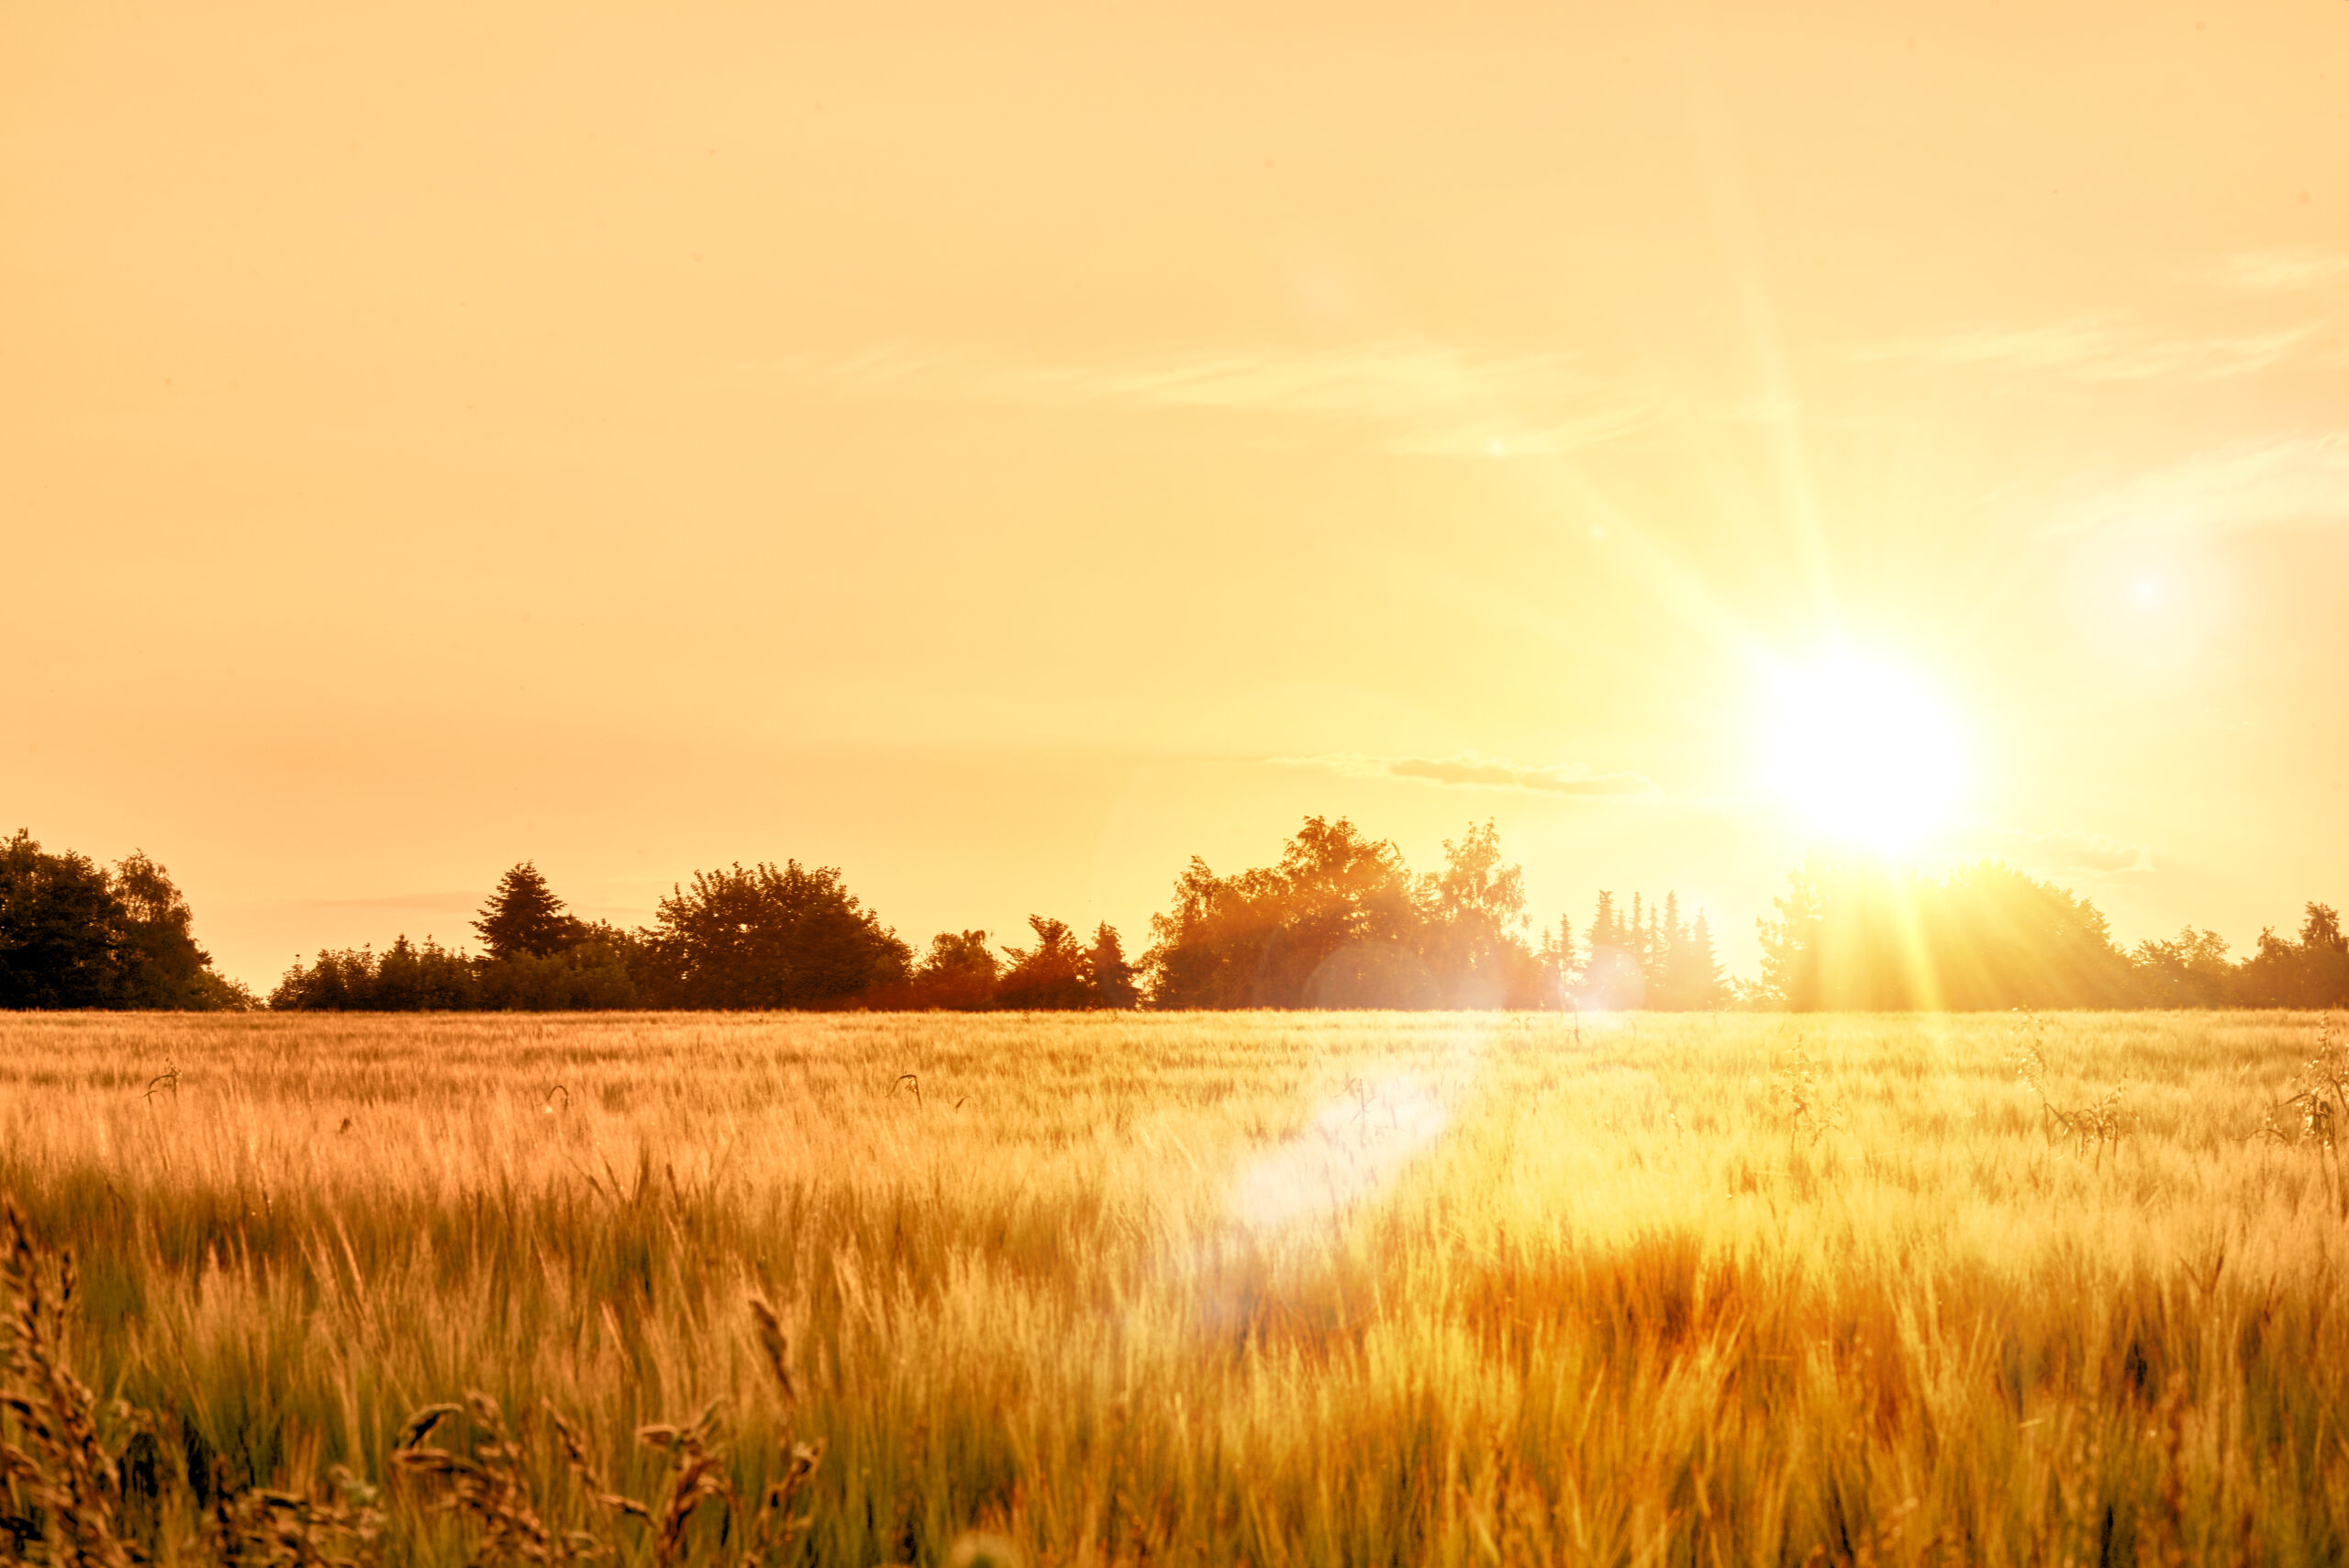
1271	1288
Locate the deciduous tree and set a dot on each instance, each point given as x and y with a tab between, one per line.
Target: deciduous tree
769	937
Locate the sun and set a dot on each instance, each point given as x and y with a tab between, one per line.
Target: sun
1865	751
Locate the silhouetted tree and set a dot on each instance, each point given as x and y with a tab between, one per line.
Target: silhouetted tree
2190	972
1348	926
1337	923
1605	928
409	977
1613	979
1560	969
161	964
406	977
523	915
768	937
1342	922
1868	937
1113	977
1681	972
72	935
957	973
1474	941
1056	973
1206	947
430	978
595	971
1705	983
2311	972
335	981
59	926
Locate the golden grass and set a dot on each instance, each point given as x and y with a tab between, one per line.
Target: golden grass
1219	1288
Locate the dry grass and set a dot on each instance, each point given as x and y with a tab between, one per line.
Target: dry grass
1279	1289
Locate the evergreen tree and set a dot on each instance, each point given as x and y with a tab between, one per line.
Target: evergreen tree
1559	969
1612	977
1604	930
525	916
1708	985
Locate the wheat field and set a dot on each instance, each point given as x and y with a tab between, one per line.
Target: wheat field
1263	1288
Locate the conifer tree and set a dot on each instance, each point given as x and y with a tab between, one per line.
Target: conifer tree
1557	960
1709	987
1669	948
1604	931
525	916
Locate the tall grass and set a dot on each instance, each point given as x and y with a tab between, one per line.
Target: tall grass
1216	1288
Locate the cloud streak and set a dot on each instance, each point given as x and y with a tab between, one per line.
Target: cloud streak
2105	348
1471	771
1422	397
2289	482
2281	272
426	903
2060	851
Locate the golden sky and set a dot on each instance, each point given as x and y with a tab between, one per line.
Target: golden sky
1003	451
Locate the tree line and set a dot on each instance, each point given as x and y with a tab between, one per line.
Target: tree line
1864	936
745	938
1339	920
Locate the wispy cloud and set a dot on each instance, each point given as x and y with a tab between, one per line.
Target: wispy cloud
1472	771
2062	852
2105	349
2281	272
2115	346
2293	481
1421	398
426	903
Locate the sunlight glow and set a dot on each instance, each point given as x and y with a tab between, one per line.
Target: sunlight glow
1865	751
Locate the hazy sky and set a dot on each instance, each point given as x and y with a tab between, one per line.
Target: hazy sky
1003	451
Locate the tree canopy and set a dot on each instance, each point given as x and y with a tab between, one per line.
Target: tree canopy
1864	936
768	937
74	935
1341	922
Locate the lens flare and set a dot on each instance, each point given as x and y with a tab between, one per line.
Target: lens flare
1349	1153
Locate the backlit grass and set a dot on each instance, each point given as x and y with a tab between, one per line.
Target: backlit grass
1272	1288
